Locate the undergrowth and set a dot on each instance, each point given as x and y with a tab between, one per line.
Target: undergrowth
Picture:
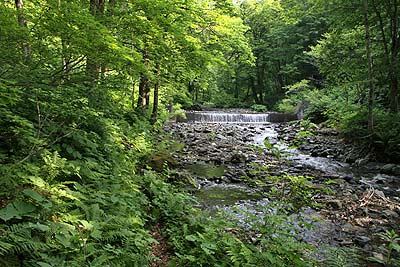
77	189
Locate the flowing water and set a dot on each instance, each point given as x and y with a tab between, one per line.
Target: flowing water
242	201
219	117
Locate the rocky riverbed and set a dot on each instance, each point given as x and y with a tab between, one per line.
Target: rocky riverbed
230	164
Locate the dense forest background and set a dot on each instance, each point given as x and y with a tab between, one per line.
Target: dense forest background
86	86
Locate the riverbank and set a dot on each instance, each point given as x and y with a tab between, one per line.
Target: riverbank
363	200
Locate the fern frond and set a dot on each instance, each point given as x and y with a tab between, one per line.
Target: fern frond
5	248
342	257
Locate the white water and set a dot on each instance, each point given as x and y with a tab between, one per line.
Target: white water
327	165
217	117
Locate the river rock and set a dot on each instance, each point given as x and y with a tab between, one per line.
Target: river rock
351	157
221	137
362	240
388	168
238	158
362	161
391	214
334	203
391	169
162	159
232	151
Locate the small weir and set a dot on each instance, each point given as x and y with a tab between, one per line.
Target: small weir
219	117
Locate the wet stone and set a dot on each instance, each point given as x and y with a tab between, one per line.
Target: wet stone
362	240
232	149
334	203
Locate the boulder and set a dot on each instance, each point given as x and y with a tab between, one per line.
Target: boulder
362	240
162	159
334	203
238	158
391	169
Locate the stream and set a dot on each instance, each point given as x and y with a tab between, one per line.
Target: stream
224	149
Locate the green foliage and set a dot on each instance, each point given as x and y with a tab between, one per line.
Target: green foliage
274	235
389	249
301	138
201	242
294	192
342	257
274	149
258	108
295	93
385	136
75	190
279	243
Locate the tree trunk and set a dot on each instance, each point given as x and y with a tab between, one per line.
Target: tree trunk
26	48
92	66
66	59
279	78
391	50
394	83
260	83
111	6
155	99
133	94
254	90
144	89
371	90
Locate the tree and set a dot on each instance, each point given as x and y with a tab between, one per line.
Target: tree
371	83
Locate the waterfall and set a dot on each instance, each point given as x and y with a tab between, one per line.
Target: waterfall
219	117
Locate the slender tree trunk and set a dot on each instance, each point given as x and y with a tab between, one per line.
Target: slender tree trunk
247	94
144	85
92	66
155	99
279	78
371	90
26	48
144	88
133	95
391	50
394	82
260	82
65	58
111	6
254	90
147	94
236	88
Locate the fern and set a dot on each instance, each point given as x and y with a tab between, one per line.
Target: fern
342	257
5	248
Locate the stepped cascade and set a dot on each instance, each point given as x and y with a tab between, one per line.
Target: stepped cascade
218	117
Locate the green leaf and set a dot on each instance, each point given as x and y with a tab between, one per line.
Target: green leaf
5	247
64	239
394	246
16	210
33	194
40	227
191	238
23	208
97	234
374	259
43	264
9	212
38	197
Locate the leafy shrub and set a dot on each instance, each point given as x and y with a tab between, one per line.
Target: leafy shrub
259	108
389	249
